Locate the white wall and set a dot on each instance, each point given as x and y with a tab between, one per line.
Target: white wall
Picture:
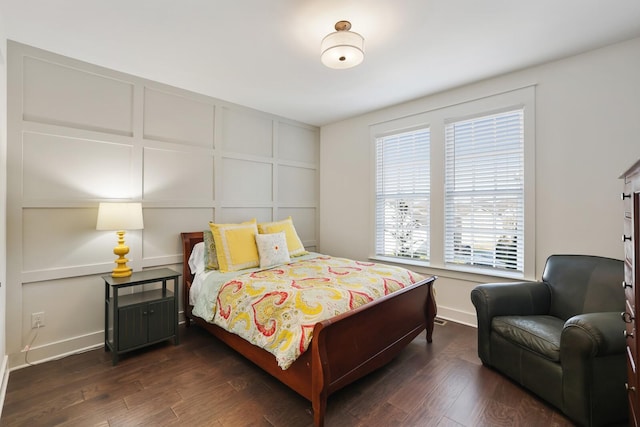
587	133
80	134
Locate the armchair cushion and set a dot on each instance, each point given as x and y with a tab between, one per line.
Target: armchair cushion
506	299
539	334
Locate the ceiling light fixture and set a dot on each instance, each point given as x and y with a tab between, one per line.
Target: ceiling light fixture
342	49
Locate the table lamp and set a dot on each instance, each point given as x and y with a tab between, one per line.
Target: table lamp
120	217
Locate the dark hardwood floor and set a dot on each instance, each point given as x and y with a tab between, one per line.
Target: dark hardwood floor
201	382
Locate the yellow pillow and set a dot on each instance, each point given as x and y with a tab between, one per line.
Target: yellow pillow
236	245
296	248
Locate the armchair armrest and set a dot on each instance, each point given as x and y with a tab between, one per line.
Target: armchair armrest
592	351
502	299
593	335
506	299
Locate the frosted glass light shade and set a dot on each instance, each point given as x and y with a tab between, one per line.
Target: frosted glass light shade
119	216
342	49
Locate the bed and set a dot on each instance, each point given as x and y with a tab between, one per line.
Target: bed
368	337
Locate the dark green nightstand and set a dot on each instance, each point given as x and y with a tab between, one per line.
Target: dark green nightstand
140	319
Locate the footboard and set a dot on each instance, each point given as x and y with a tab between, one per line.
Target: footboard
351	345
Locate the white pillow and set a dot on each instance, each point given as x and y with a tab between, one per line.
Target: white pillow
272	249
196	259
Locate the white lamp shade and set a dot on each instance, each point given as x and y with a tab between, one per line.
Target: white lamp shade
119	216
342	49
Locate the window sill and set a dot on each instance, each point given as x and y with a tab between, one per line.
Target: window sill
468	274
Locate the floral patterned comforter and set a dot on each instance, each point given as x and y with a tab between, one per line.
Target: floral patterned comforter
276	309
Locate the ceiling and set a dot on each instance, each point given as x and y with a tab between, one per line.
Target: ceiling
264	54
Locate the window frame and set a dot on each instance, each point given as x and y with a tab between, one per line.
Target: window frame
387	195
461	191
436	119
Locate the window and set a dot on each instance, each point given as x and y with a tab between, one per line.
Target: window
403	195
484	192
454	187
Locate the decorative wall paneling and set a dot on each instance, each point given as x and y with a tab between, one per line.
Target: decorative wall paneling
79	134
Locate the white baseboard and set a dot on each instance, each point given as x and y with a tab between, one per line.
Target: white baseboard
56	350
458	316
4	374
59	349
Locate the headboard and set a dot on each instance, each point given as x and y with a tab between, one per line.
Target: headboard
189	240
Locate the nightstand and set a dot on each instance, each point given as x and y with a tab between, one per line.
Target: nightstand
136	320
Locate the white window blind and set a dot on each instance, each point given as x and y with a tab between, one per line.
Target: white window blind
402	195
484	192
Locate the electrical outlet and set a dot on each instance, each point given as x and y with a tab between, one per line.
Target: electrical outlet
37	320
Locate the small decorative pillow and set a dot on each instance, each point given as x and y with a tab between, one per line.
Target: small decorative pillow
272	249
296	248
210	255
236	245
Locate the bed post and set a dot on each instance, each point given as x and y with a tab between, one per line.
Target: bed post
319	382
431	311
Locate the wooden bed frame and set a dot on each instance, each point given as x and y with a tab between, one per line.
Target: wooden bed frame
344	348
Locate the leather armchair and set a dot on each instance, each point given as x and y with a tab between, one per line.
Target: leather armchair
562	337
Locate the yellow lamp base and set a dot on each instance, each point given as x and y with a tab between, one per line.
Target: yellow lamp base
122	269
